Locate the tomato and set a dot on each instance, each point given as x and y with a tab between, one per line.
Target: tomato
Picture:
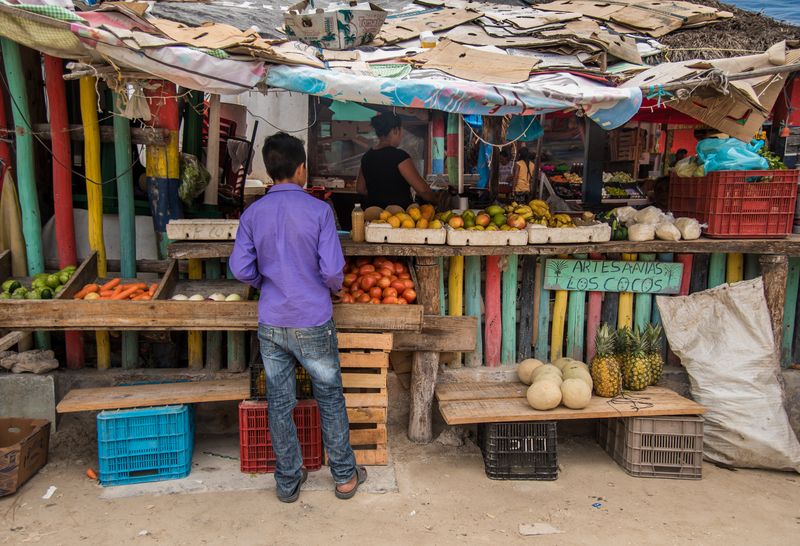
380	261
355	293
349	279
399	268
366	268
375	301
347	298
363	298
398	285
408	283
375	292
384	282
393	278
375	274
389	300
389	292
367	282
362	261
403	276
402	301
409	295
386	272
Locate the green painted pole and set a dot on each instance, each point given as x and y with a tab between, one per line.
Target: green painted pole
643	303
789	311
508	343
576	319
123	159
542	348
213	339
752	268
716	270
666	257
472	305
442	307
193	124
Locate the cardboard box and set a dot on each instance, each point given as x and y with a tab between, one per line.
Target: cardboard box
345	26
23	450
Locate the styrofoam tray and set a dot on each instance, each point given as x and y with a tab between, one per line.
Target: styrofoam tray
595	233
384	233
486	238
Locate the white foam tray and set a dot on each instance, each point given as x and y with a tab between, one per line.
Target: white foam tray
486	238
384	233
596	233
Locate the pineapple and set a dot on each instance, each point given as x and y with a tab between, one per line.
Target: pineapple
606	371
653	335
635	366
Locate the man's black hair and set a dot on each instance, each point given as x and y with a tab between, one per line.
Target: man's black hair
282	155
385	123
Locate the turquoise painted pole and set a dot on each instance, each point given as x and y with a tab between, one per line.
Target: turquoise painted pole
472	305
542	348
716	270
576	319
508	344
789	311
123	159
643	303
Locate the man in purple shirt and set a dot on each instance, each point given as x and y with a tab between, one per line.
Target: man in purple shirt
287	246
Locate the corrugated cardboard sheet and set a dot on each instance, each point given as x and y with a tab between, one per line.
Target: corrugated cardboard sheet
476	65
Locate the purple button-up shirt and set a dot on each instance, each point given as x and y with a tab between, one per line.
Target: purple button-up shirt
288	247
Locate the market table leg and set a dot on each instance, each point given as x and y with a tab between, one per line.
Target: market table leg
526	306
213	339
195	338
774	270
472	306
509	311
424	369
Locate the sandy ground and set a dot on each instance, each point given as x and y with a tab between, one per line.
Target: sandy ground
441	497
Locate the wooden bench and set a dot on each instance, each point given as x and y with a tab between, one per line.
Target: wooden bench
470	403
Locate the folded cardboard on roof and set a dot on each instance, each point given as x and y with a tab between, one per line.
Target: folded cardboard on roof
476	65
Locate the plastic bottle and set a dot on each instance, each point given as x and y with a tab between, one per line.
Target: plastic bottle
357	220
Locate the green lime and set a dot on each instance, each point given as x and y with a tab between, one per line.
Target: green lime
33	295
53	281
10	286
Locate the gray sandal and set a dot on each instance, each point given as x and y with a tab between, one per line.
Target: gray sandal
296	493
361	472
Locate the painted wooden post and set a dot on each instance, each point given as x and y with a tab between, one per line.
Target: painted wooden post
5	147
699	279
625	315
666	257
610	308
193	125
94	196
543	318
508	346
716	270
526	308
442	297
213	339
62	186
237	349
735	268
127	220
774	270
789	311
212	150
559	316
195	338
576	320
425	364
751	267
472	306
455	297
492	304
644	302
593	315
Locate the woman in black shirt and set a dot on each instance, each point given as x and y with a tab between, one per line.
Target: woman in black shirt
387	173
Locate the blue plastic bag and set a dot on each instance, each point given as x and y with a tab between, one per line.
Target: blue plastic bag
730	154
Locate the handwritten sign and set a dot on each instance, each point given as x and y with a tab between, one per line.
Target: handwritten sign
613	276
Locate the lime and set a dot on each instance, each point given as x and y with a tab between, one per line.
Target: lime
53	281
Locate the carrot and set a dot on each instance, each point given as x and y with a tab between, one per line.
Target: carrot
86	290
153	287
134	285
142	297
110	285
124	295
106	293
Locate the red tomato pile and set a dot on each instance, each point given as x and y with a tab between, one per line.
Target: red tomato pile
377	280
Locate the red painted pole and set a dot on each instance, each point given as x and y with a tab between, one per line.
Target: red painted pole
686	277
593	314
494	328
62	185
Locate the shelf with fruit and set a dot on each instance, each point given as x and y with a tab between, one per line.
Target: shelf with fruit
414	225
377	281
43	286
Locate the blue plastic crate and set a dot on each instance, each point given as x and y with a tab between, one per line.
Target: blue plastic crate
145	445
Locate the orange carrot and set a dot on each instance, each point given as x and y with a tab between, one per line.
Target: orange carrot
142	297
86	290
110	285
124	295
106	293
134	284
153	287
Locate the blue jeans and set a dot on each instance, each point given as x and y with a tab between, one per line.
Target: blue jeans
317	351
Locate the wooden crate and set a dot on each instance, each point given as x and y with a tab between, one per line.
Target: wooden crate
364	359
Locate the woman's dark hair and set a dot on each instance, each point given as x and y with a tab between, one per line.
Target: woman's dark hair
385	123
282	155
523	154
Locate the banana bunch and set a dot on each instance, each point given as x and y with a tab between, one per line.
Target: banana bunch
561	221
541	212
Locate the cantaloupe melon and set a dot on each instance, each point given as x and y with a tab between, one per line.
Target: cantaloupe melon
547	368
575	364
544	395
575	394
561	362
525	369
578	373
553	378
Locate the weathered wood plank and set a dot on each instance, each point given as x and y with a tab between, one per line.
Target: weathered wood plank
493	332
202	229
526	307
508	348
440	334
355	340
139	135
364	380
643	302
372	457
369	436
472	307
364	360
774	271
423	381
360	399
790	308
11	339
543	318
366	415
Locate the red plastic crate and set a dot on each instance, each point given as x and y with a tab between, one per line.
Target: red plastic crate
738	204
255	444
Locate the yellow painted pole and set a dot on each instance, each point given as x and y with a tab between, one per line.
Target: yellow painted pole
195	338
559	318
625	314
94	197
455	299
735	268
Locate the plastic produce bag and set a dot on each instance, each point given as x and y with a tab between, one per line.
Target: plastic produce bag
641	232
194	178
625	214
689	228
649	215
724	339
688	167
667	231
730	154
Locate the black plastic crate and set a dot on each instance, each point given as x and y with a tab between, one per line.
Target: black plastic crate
258	383
519	451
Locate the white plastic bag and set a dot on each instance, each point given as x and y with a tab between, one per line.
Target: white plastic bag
689	228
641	232
649	215
723	337
625	214
667	232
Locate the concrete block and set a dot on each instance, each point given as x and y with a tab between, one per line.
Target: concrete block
28	395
